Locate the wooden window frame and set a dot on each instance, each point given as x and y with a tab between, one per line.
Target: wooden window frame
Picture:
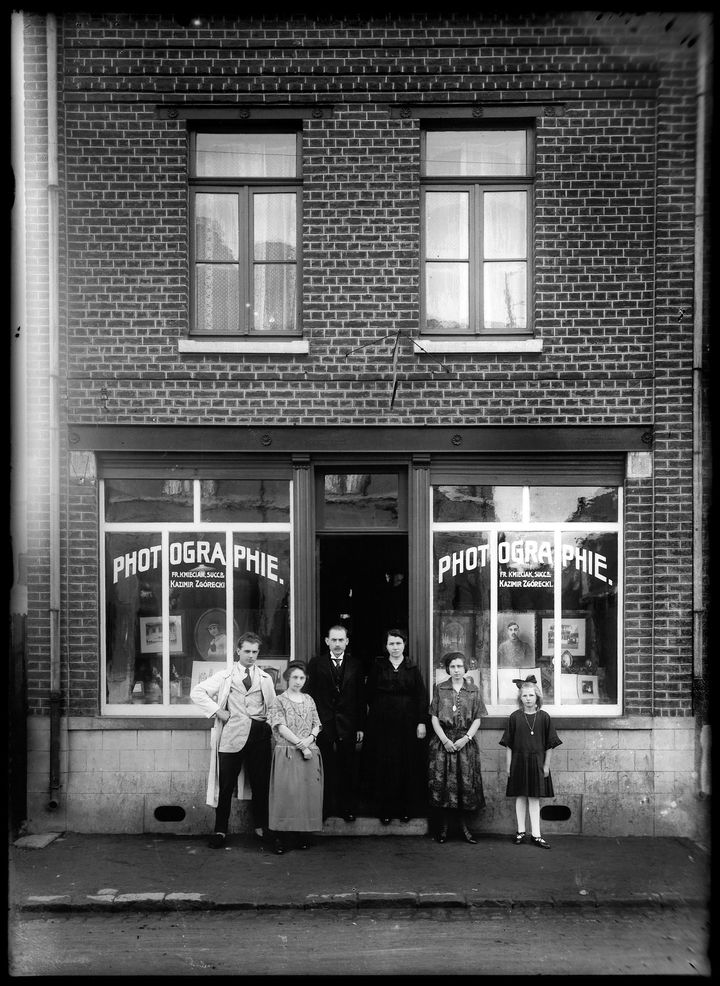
476	187
245	189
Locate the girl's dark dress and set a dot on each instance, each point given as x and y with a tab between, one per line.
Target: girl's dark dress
454	779
393	757
528	753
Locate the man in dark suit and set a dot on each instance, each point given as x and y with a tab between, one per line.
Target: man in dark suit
336	682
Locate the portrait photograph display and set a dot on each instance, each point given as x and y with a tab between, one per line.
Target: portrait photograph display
151	634
572	636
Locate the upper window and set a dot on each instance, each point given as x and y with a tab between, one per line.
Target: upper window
245	200
477	208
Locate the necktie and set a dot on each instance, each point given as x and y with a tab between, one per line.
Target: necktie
336	669
247	680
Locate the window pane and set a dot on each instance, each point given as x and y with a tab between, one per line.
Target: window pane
466	504
198	578
582	504
475	152
588	633
133	624
274	298
505	296
245	500
361	500
261	596
526	579
446	225
246	155
461	604
505	225
446	297
148	500
216	227
218	299
274	227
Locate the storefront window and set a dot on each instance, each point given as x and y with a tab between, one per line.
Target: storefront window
360	500
525	580
588	630
148	500
462	605
533	596
474	503
245	500
580	504
177	597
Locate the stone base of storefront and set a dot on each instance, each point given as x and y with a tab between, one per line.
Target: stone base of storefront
621	777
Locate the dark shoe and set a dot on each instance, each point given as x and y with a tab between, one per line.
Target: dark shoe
385	821
469	837
349	817
405	818
519	838
441	836
540	842
217	840
278	848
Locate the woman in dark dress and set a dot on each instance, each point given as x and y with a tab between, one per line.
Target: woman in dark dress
454	779
393	745
529	739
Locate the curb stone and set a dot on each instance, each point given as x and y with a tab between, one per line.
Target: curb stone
154	902
440	900
326	901
403	898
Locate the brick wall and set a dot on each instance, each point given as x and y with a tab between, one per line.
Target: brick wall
613	264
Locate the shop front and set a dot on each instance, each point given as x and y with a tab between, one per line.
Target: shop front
510	550
524	578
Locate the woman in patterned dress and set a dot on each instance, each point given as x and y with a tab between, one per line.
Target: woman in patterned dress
296	775
455	781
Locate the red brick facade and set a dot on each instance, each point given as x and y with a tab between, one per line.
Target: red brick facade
615	103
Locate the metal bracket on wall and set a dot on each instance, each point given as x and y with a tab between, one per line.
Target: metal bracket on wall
396	337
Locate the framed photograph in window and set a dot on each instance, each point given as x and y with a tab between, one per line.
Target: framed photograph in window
151	634
572	636
205	669
516	639
456	633
587	688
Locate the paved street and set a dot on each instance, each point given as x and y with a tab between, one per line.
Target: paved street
597	941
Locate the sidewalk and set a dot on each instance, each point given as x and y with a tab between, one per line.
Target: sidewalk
75	872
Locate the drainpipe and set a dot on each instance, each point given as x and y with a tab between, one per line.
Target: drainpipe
699	669
54	411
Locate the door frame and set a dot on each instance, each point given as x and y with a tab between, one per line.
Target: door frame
306	608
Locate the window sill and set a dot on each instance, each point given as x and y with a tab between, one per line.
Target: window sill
243	346
475	345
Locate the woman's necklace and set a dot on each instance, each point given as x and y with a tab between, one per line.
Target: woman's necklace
531	728
456	692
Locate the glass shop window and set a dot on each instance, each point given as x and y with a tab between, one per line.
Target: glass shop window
526	582
190	565
361	500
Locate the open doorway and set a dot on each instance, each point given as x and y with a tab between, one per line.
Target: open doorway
363	585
